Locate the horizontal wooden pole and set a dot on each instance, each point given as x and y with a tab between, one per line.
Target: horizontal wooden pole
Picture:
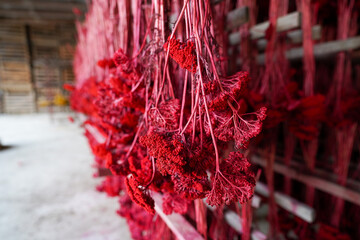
40	15
314	181
237	17
95	133
294	37
290	204
235	221
284	23
320	50
181	228
41	5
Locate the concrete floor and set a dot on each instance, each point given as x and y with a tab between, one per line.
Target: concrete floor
46	185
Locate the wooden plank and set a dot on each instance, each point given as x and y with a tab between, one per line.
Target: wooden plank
19	102
294	37
314	181
288	203
237	17
15	87
44	15
321	49
14	77
284	23
67	75
66	52
15	66
41	5
95	133
181	228
235	221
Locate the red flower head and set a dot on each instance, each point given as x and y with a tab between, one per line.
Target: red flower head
69	87
235	182
138	195
241	128
165	116
191	187
182	53
103	63
168	152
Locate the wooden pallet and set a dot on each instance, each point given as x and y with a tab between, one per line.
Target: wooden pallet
67	75
66	52
16	86
14	33
45	76
19	102
13	51
67	33
13	71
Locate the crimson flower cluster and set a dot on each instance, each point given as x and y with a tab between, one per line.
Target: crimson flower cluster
182	53
155	139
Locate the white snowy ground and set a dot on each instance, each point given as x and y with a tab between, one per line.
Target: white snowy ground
46	185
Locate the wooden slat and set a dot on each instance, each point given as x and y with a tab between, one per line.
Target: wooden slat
234	221
316	182
288	203
181	228
41	5
66	52
297	36
294	37
321	49
43	15
237	17
67	75
19	102
95	133
16	86
284	23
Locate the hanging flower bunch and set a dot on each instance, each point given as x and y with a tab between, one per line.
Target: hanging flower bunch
162	114
164	118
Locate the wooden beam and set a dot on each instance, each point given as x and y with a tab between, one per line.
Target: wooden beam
288	203
321	49
294	37
95	133
316	182
237	17
284	23
42	15
234	220
181	228
37	21
41	5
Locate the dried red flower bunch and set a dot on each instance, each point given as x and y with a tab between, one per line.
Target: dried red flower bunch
138	195
234	182
183	53
158	128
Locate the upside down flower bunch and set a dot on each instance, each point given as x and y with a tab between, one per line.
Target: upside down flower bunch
162	115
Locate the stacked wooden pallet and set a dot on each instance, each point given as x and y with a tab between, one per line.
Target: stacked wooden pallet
52	47
15	72
19	102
